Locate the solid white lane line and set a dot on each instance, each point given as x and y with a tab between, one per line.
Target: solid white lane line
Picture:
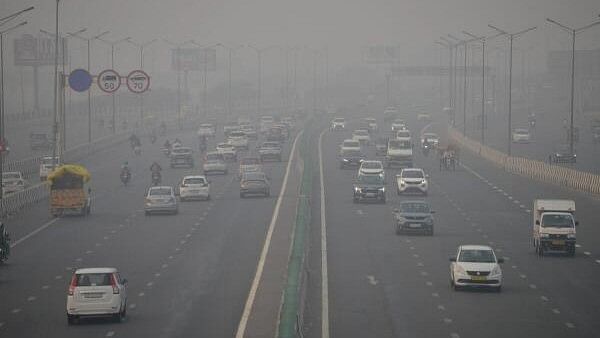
324	275
110	333
241	329
34	232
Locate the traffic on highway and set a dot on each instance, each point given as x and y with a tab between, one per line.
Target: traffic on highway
299	169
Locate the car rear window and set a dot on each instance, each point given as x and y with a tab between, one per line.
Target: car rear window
194	180
160	192
372	165
249	161
351	144
361	132
93	279
214	157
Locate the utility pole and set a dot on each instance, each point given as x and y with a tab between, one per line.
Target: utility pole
511	37
573	32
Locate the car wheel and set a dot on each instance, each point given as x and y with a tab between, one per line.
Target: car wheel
147	213
455	287
71	319
498	289
242	195
208	198
398	230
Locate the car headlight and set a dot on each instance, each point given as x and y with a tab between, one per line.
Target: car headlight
401	220
357	189
544	235
345	159
571	236
496	271
382	189
459	270
429	221
423	183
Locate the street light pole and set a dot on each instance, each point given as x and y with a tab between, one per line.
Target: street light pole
573	32
55	124
451	47
230	50
178	70
141	46
2	111
511	37
89	69
112	66
259	52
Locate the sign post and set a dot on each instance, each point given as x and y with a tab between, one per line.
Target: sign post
138	82
109	81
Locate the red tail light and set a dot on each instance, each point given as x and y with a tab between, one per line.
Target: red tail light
73	284
113	282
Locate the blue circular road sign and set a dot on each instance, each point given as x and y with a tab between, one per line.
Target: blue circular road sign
80	80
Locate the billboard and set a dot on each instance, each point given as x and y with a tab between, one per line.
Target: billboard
381	54
37	51
193	59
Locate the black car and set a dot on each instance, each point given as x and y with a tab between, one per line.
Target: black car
563	154
369	188
351	158
182	157
414	216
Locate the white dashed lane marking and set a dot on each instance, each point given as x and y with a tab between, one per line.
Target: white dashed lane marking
587	253
598	261
132	306
447	320
15	311
30	298
544	298
110	333
570	325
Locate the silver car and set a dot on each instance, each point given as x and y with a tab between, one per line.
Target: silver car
214	162
255	183
161	199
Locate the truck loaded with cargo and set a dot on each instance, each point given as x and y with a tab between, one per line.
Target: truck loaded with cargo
69	190
554	226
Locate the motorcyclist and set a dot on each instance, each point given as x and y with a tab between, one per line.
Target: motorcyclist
134	140
153	135
125	168
163	128
155	167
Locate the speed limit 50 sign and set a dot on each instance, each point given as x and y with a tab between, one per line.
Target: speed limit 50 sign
109	81
138	81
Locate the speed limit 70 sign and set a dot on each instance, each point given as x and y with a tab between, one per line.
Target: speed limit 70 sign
109	81
138	81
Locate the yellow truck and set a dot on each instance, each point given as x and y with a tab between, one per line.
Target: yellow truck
69	190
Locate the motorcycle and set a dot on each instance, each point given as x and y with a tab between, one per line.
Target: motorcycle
137	150
125	177
156	178
425	149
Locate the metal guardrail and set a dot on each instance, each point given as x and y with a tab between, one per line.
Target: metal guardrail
538	170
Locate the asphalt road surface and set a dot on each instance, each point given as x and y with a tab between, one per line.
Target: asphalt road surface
189	274
384	285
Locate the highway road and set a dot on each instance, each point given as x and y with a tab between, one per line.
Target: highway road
384	285
189	274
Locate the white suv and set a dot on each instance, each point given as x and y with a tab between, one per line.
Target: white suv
476	266
238	139
412	180
339	123
96	292
194	187
371	168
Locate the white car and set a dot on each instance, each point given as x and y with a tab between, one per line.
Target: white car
238	139
161	199
521	135
194	187
412	180
96	292
249	164
206	130
371	124
228	151
12	181
476	266
398	124
432	138
362	136
371	168
350	144
46	166
403	135
338	123
214	162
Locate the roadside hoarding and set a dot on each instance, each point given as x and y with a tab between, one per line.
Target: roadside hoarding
37	51
193	59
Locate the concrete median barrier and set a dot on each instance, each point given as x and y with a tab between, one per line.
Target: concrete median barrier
538	170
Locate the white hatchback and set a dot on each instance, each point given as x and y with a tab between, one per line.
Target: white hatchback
194	187
412	180
95	292
476	266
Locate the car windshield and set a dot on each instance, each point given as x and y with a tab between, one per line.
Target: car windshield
338	120
48	161
476	256
430	136
372	165
521	131
361	132
194	180
412	174
249	161
351	144
370	179
557	221
397	144
160	191
352	152
417	207
93	279
254	176
403	134
181	150
11	176
214	157
270	145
